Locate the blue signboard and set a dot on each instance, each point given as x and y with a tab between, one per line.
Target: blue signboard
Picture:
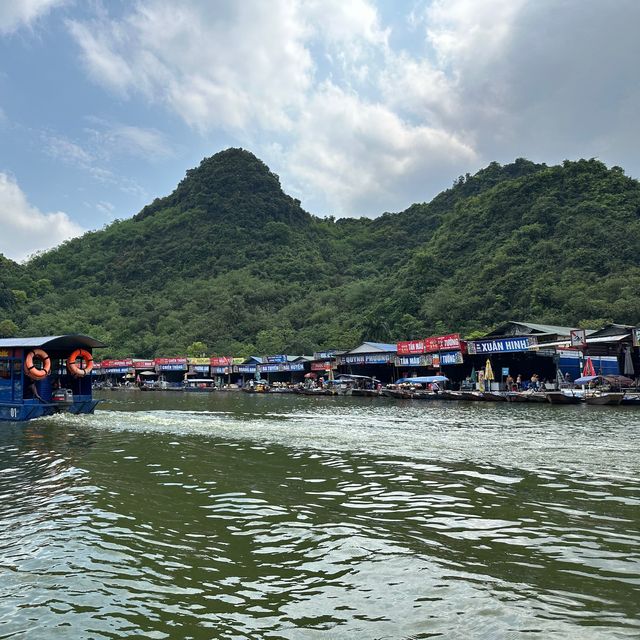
116	370
220	370
173	367
276	368
269	368
275	359
451	357
502	345
247	368
377	358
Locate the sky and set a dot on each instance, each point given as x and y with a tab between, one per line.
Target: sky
361	107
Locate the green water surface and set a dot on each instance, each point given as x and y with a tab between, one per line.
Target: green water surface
175	515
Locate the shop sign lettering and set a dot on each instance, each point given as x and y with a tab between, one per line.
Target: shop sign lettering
506	345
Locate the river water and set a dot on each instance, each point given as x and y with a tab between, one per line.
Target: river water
243	516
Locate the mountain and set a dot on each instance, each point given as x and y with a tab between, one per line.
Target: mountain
230	260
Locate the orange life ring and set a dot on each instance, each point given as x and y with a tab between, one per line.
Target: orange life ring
78	370
32	370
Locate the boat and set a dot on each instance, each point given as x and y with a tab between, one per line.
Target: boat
474	396
199	385
631	399
451	395
261	386
354	385
398	392
494	396
563	397
604	398
526	396
42	376
319	391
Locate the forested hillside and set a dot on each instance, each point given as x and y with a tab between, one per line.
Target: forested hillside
228	259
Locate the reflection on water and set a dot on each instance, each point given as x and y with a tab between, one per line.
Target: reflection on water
283	517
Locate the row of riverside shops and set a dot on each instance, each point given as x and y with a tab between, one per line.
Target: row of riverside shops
515	351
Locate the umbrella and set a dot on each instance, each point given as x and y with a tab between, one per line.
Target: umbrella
309	375
473	377
628	363
588	368
488	371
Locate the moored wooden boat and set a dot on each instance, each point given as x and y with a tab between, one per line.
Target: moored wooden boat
526	396
319	392
398	394
473	396
604	398
199	385
631	399
494	396
559	397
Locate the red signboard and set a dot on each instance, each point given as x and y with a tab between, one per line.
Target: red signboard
170	361
410	347
117	364
450	342
143	364
434	344
221	361
321	366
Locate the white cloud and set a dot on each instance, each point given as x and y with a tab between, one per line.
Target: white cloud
229	65
364	158
359	118
66	150
18	13
24	229
121	139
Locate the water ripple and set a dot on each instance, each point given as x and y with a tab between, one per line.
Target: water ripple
325	521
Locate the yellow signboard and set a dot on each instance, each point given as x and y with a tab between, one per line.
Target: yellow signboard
198	360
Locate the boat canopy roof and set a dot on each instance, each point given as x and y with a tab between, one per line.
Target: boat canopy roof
351	376
621	381
71	341
423	380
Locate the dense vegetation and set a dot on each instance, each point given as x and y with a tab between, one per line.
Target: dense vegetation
231	261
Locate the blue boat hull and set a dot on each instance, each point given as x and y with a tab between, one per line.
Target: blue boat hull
10	412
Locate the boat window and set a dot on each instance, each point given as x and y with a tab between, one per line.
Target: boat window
5	369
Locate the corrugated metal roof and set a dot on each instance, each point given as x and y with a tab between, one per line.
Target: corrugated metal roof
53	342
534	327
567	343
375	347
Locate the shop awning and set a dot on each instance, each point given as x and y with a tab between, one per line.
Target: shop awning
567	343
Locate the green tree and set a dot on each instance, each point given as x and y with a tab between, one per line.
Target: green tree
8	328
